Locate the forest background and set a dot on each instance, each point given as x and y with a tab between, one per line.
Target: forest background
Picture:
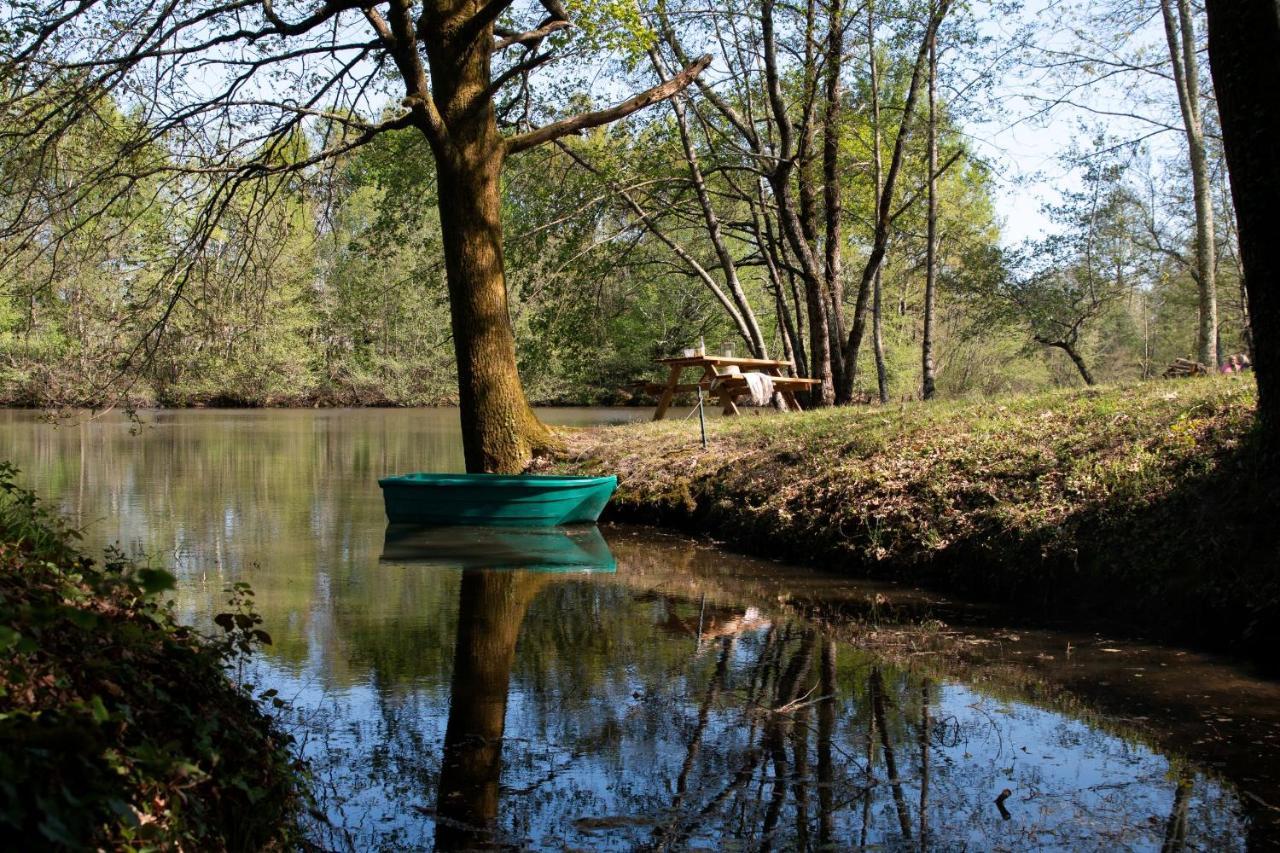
325	285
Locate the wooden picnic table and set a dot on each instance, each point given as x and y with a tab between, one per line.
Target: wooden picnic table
717	379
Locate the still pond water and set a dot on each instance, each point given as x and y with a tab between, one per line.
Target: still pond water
676	697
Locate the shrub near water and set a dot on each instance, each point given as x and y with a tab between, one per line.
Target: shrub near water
119	727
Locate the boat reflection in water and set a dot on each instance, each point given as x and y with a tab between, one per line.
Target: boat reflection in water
503	570
580	548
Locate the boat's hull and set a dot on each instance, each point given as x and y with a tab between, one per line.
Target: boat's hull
495	499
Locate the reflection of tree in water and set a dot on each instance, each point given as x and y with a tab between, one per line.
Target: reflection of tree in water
491	608
585	715
622	729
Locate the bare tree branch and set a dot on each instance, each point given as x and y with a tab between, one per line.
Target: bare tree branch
584	121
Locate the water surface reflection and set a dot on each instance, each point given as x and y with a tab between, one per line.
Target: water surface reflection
689	698
610	712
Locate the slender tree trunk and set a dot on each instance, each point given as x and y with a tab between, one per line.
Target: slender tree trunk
884	211
1244	53
1074	355
877	169
826	733
728	268
1246	325
800	728
1232	244
776	251
789	219
786	327
890	760
815	302
1180	34
924	766
1175	828
928	379
832	235
869	762
703	275
704	716
877	338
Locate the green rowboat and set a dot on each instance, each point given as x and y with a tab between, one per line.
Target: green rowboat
521	500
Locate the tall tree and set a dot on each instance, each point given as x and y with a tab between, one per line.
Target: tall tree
928	378
833	236
1244	57
1069	279
877	170
1111	66
884	208
207	74
1179	28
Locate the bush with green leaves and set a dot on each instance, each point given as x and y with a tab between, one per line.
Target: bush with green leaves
119	728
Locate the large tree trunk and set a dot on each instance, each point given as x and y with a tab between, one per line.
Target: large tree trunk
500	432
1180	34
1244	53
927	377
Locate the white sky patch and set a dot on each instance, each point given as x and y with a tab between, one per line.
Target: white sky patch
1025	142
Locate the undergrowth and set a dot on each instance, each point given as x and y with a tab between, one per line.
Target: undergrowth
119	728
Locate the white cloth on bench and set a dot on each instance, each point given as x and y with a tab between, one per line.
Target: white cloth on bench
761	387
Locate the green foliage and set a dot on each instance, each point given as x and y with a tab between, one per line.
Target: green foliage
613	25
327	287
118	726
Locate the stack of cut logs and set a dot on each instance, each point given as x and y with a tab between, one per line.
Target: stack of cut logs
1185	367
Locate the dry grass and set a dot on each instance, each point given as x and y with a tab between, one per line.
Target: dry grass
1115	499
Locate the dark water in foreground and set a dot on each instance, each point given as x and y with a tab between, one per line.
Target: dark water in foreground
687	698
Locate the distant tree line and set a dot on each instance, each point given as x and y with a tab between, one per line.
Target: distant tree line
814	195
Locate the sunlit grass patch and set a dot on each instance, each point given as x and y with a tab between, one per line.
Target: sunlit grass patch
1046	494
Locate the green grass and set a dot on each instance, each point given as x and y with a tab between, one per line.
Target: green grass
1140	502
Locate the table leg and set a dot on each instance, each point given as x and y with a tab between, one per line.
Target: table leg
788	398
664	402
726	399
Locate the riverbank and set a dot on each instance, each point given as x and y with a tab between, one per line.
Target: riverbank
1140	505
119	728
352	397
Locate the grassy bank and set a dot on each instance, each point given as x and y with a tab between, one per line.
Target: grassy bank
119	728
1140	504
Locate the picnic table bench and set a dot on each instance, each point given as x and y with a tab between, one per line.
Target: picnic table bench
718	379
